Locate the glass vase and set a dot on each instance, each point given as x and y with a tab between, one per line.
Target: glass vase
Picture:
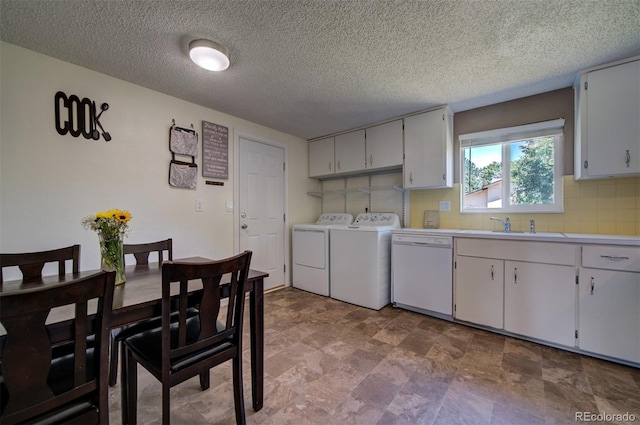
112	254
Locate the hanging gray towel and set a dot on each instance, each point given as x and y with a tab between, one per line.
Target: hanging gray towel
183	174
183	141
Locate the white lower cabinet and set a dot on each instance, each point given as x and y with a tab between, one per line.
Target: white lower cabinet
609	315
540	301
479	291
529	289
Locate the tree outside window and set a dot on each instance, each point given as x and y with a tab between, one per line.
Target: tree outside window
532	179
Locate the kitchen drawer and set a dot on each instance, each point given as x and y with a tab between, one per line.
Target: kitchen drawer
534	252
611	258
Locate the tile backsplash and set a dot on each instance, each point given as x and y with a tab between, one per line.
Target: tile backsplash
610	206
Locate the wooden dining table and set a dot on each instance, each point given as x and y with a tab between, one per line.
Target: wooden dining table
140	298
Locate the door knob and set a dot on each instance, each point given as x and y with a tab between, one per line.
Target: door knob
244	226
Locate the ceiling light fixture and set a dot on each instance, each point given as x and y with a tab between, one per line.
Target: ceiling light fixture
209	55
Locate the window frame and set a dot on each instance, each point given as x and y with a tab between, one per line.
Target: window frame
504	137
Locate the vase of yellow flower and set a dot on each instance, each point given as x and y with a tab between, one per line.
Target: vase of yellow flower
112	227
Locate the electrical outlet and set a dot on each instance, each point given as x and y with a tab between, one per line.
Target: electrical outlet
199	205
445	205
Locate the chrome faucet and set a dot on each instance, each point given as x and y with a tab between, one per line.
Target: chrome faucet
505	223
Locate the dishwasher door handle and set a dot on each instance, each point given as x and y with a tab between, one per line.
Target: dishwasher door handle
430	245
422	244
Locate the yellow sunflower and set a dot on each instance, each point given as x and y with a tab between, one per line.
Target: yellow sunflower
122	216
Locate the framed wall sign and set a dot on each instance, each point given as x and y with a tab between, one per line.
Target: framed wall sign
215	150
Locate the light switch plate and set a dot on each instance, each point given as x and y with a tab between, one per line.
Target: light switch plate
445	205
199	207
229	206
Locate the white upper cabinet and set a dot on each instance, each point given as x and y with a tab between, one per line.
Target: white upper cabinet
607	133
321	157
350	152
421	143
428	150
384	146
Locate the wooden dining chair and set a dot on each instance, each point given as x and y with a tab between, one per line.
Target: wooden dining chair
32	263
193	345
141	252
50	374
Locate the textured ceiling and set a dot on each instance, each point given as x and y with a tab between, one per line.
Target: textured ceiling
312	67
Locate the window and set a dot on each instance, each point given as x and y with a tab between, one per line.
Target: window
515	169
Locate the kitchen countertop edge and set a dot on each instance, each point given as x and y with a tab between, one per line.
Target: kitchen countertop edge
537	237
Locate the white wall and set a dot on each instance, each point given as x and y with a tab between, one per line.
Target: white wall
49	182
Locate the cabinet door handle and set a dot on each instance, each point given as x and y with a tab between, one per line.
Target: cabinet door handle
410	177
371	159
515	275
614	257
628	161
330	166
592	285
338	165
492	272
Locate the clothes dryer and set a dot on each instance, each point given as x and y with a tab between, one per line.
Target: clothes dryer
311	262
360	256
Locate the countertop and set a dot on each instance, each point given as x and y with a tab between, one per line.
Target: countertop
542	236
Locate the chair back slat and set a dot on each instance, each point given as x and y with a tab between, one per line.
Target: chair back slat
233	292
210	304
34	384
211	275
141	251
32	263
182	316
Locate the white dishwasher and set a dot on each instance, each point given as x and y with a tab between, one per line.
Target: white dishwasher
422	273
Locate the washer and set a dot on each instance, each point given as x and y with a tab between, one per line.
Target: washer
361	260
310	244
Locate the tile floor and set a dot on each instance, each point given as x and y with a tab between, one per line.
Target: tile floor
328	362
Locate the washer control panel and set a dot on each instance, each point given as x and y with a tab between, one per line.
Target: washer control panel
378	220
335	218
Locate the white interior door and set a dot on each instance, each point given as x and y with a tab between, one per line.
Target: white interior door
261	207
